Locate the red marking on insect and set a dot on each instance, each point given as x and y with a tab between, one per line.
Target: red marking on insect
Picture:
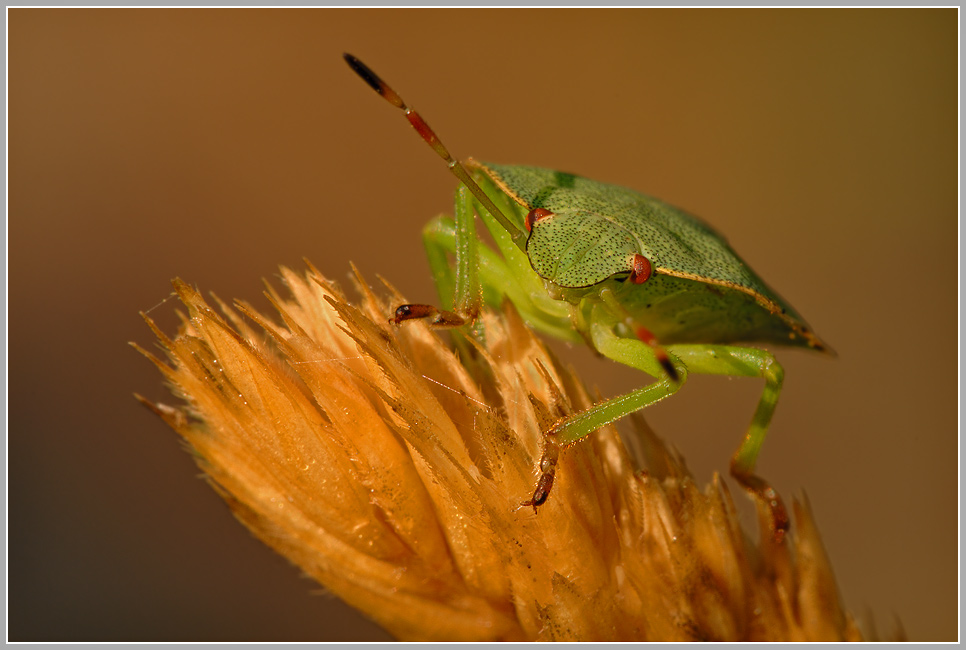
536	215
645	336
421	127
640	269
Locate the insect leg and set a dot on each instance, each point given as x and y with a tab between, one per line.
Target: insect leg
631	352
467	296
465	290
439	237
748	362
498	280
642	333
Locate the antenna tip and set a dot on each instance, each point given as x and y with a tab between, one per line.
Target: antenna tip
371	78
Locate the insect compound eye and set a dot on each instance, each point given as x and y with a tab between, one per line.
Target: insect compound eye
640	269
536	215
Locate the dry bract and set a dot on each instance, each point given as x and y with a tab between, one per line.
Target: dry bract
391	470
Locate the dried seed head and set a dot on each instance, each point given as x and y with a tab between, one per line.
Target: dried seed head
392	471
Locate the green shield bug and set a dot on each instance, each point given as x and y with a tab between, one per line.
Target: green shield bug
642	282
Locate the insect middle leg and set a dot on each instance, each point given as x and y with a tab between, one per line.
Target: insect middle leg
631	352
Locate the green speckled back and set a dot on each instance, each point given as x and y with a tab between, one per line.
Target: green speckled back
598	228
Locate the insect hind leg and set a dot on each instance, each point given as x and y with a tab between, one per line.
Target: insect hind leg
747	362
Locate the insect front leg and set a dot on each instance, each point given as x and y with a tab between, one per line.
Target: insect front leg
746	362
464	285
498	280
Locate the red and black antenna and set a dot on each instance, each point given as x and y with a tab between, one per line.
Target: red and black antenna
426	133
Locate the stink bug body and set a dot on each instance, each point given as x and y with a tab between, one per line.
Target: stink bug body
644	283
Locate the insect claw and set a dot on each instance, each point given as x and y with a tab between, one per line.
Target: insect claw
548	469
542	491
436	317
768	497
411	312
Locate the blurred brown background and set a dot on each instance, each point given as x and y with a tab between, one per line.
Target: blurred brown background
215	145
